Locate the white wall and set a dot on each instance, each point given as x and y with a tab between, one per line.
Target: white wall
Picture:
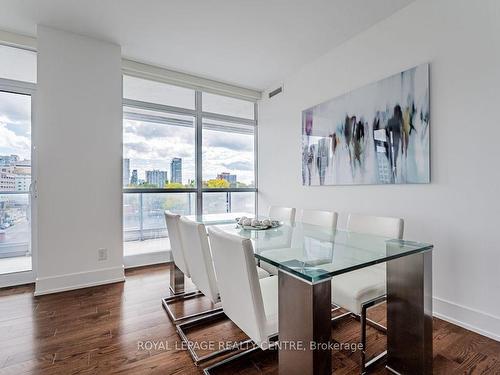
459	211
78	138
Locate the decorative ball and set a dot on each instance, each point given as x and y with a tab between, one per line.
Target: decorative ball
255	223
247	222
241	220
266	222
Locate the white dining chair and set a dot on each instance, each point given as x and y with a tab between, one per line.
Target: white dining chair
327	219
320	217
178	266
198	256
251	303
359	290
172	221
286	214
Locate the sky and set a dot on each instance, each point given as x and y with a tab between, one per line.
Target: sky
15	125
148	145
152	146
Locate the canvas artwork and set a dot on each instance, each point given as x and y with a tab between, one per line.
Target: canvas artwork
378	134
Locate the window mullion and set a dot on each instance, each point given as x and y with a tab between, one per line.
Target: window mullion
199	145
256	158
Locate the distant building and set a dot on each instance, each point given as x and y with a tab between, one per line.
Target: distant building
126	172
15	174
22	182
176	170
231	178
156	177
7	179
8	160
134	180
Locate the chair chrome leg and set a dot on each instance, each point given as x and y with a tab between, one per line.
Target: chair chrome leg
207	370
183	327
343	316
363	338
183	297
363	319
176	279
364	322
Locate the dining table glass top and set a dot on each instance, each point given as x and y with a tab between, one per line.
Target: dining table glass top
315	253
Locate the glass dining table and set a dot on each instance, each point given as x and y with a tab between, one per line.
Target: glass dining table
308	257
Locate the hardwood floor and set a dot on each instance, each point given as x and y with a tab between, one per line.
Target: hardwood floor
123	329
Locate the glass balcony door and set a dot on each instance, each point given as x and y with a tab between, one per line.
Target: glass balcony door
16	202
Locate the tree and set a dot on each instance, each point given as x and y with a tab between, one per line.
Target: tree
147	185
218	183
174	185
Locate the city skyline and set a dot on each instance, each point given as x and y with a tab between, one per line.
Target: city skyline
151	146
159	178
147	147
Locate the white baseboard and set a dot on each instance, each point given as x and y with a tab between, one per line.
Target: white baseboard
61	283
474	320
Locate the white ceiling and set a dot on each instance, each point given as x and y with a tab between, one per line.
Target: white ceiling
251	43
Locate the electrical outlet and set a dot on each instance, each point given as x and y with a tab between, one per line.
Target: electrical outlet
102	254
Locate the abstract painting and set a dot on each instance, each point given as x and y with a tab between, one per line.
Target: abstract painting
377	134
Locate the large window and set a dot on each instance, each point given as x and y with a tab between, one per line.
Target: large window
185	151
159	149
228	154
17	85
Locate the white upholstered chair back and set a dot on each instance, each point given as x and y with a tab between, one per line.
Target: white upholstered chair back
198	257
319	217
174	236
377	225
239	285
286	214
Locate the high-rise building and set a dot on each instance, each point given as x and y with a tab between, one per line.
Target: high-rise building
7	179
156	177
231	178
134	180
126	172
176	170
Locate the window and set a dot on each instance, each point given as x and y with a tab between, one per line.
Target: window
228	154
158	149
222	202
157	93
228	106
167	131
17	77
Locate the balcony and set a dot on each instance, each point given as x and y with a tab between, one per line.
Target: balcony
15	234
144	229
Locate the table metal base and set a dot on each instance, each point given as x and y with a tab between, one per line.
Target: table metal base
409	314
304	326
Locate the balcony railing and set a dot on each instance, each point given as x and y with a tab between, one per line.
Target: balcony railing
15	232
143	212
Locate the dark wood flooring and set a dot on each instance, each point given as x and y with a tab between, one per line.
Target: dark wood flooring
123	329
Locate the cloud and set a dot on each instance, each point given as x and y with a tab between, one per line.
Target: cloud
15	109
152	146
231	141
12	143
239	165
140	147
15	124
